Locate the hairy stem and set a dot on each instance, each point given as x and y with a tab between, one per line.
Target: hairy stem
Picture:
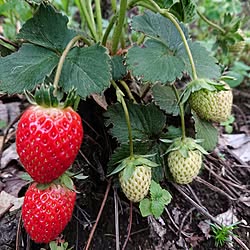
119	26
182	114
86	15
120	98
63	57
127	89
108	30
214	25
98	18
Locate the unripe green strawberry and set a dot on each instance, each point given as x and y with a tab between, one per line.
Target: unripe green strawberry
137	186
45	213
215	106
184	169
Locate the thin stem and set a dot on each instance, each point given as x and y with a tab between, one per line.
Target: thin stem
84	11
184	40
119	26
214	25
98	18
98	216
91	14
113	6
129	225
125	109
127	89
63	57
182	115
108	30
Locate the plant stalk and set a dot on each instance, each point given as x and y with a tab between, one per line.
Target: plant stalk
119	26
214	25
85	13
127	117
63	57
108	30
127	89
182	114
98	18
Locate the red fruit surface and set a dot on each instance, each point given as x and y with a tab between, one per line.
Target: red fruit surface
48	140
45	213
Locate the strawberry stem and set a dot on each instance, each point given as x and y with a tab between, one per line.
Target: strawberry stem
63	57
182	114
98	18
214	25
119	26
120	98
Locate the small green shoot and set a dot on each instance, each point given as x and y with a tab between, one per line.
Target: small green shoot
154	205
221	233
228	124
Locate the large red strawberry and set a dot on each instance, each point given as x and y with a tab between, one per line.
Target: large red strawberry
48	139
45	213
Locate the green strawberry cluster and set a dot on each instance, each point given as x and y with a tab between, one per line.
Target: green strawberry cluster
48	138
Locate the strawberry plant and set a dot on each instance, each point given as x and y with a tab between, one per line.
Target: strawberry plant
160	89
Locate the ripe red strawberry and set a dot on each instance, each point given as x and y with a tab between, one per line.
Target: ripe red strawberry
48	140
45	213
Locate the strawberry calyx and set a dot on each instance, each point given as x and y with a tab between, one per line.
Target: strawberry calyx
201	83
64	180
185	145
44	97
129	165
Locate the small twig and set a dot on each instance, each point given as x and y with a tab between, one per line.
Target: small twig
98	216
175	225
18	232
194	195
207	214
184	219
129	225
243	187
117	235
214	188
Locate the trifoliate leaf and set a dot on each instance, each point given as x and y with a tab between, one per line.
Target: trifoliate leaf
184	10
48	29
118	68
164	96
26	68
145	207
86	69
207	132
147	122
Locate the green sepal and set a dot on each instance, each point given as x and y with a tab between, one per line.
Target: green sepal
66	181
44	96
43	186
71	99
199	84
186	145
137	160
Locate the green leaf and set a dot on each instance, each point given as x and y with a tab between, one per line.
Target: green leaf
205	64
157	59
159	194
86	69
157	208
145	207
48	29
164	96
147	122
118	68
206	131
26	68
184	10
165	4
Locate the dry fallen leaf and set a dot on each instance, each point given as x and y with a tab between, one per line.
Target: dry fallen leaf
8	155
6	200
